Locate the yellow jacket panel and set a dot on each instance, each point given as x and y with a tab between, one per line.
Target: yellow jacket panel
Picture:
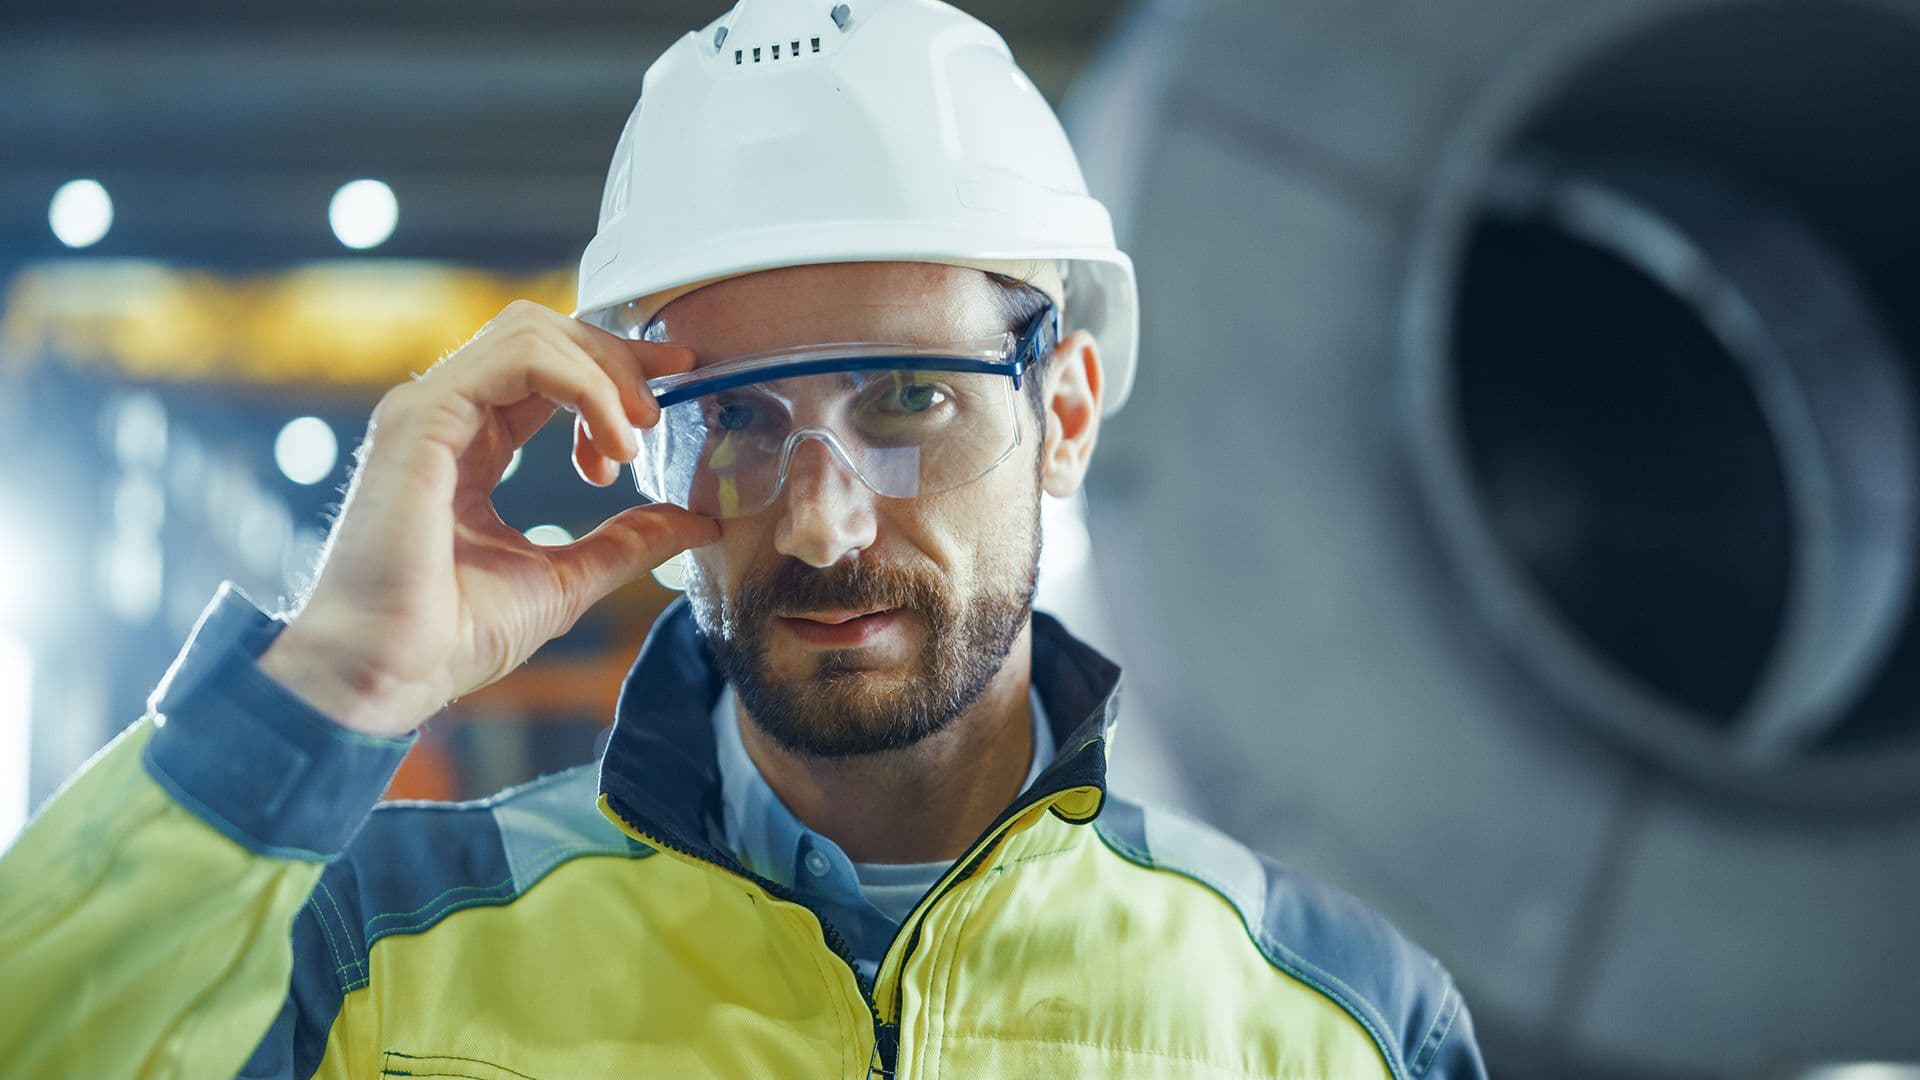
211	896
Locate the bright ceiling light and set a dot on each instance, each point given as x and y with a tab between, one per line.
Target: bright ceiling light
306	450
81	213
549	535
513	466
363	214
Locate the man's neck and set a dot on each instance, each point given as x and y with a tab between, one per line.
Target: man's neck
924	803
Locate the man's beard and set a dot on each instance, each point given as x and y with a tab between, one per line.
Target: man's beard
841	708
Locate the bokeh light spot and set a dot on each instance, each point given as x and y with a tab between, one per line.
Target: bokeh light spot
306	450
363	214
81	213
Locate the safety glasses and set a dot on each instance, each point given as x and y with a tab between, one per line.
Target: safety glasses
906	420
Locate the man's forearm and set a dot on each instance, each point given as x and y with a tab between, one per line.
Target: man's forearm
145	910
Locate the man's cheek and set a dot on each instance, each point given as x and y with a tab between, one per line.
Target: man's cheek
706	598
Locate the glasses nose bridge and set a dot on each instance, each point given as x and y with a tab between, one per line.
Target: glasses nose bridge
836	451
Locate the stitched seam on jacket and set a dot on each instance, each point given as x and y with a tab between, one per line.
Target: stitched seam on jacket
1111	1048
431	904
1290	962
346	930
1011	863
429	1058
327	932
546	865
1430	1046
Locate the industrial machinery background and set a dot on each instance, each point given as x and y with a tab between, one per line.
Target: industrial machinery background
1556	364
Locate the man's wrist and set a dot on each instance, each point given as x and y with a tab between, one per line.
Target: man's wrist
249	756
365	703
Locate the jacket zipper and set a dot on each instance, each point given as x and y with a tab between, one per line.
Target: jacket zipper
888	1046
884	1062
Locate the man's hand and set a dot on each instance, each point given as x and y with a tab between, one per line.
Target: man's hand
424	594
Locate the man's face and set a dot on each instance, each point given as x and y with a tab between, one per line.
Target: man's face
849	622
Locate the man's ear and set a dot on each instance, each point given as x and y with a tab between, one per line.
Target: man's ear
1072	413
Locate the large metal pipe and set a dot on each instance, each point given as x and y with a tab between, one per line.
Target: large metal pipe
1529	386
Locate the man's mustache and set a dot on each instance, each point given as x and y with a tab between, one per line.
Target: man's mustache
793	586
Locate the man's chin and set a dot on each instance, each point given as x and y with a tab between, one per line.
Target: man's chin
834	682
841	713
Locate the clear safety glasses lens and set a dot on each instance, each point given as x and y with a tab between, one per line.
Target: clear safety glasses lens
728	436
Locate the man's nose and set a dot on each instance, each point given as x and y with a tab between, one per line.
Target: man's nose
826	514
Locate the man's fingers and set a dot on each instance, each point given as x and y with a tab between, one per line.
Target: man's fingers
625	546
592	466
630	363
530	359
568	380
650	359
522	421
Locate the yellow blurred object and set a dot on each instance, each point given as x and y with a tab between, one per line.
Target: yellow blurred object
359	322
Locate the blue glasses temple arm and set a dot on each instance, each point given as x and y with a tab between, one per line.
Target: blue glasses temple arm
1035	339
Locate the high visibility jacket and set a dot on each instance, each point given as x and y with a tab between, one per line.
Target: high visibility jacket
211	894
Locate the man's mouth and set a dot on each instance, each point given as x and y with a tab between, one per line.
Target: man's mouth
839	628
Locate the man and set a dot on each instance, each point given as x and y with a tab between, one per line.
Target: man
849	313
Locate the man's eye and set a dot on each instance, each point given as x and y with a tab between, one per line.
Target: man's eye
734	416
917	397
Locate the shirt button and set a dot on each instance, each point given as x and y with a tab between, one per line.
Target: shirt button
816	863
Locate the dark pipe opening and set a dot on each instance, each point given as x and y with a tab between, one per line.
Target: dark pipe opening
1623	461
1629	465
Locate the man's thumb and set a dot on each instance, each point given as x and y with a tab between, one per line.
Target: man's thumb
627	545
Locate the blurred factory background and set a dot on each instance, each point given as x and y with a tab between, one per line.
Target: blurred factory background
1515	522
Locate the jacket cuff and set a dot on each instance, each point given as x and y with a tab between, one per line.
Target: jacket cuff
248	755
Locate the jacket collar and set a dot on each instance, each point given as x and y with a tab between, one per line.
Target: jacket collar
661	774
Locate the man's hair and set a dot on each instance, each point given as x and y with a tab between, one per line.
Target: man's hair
1018	303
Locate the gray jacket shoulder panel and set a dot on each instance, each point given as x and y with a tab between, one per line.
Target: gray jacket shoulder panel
1401	995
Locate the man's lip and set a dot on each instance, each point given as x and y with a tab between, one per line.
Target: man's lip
840	629
836	616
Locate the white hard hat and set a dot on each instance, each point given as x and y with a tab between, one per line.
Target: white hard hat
795	132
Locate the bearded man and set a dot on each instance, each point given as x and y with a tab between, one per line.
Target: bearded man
849	315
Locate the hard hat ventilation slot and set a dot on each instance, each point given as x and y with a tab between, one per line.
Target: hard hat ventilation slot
789	46
791	51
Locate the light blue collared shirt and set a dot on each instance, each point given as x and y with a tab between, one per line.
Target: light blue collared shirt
866	902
